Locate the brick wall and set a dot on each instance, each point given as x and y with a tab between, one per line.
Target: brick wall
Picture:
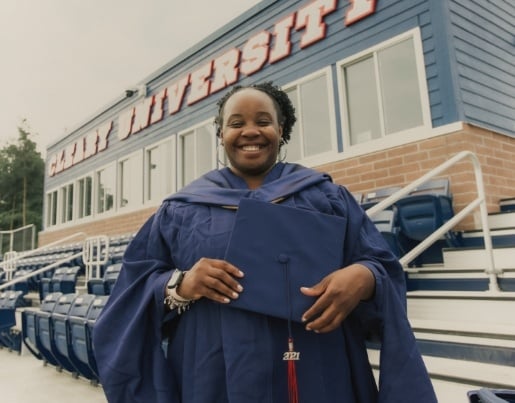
402	165
118	225
395	166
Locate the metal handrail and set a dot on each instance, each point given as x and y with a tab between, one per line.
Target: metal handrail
10	262
479	201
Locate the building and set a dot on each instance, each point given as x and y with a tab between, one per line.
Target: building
384	90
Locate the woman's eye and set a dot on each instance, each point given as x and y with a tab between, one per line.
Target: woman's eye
263	122
235	124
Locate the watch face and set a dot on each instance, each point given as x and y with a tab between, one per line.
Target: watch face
176	278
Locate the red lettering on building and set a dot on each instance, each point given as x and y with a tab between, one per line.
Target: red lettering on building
281	42
358	10
311	19
216	74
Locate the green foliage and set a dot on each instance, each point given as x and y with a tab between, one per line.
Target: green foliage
21	183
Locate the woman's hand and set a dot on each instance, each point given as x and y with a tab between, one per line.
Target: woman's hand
211	278
338	294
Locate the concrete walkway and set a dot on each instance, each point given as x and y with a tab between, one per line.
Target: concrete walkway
24	379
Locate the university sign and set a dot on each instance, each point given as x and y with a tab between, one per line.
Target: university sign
265	47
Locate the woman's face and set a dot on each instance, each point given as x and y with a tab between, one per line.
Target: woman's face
251	134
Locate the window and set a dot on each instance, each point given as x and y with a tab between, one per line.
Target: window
313	133
51	208
197	152
85	196
66	206
159	171
130	181
383	91
105	187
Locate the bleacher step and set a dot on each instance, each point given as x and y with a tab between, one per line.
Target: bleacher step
477	258
462	371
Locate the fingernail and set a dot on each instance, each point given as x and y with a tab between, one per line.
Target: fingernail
239	288
235	295
226	300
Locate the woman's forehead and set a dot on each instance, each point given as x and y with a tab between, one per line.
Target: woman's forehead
249	97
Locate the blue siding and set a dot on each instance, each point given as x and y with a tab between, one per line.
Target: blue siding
484	46
469	58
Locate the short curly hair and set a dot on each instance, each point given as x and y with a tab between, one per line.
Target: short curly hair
283	106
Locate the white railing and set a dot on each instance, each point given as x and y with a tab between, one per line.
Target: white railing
480	201
95	255
11	261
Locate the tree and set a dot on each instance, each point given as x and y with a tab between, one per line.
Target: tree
21	183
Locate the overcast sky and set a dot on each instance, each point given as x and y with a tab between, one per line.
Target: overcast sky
61	61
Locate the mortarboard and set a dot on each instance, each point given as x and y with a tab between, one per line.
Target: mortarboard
280	249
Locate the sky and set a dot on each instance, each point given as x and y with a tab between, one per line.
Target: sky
62	61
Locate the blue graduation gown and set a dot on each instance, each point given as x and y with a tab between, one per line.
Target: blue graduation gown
217	354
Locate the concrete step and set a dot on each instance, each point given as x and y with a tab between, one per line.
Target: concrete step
473	374
477	258
481	309
502	219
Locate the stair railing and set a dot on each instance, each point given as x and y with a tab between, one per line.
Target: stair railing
480	201
10	263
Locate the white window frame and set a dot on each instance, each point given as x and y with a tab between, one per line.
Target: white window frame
111	211
171	170
394	139
139	203
332	153
63	204
52	208
90	175
180	154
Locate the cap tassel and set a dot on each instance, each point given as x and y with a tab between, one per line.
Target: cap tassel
293	390
291	355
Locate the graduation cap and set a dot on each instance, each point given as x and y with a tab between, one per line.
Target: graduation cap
280	249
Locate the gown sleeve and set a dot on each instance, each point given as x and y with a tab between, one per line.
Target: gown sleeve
127	335
403	376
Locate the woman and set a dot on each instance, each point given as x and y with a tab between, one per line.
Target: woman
195	347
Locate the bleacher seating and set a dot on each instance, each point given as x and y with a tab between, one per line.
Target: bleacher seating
372	198
9	301
420	213
42	328
67	282
104	285
414	217
73	342
80	325
57	338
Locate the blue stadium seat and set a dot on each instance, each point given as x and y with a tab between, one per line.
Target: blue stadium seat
372	198
385	223
46	283
95	310
76	335
66	281
41	322
28	331
104	285
9	301
422	212
57	334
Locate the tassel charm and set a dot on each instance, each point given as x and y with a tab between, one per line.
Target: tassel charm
291	356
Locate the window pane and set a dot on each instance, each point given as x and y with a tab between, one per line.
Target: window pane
153	169
293	148
188	158
362	101
315	117
205	152
69	207
105	189
400	90
130	181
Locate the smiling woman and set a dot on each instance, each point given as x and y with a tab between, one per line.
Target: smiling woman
180	287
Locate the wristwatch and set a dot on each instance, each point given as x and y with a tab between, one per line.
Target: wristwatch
172	299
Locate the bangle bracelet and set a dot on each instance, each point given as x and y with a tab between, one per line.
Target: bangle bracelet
181	306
